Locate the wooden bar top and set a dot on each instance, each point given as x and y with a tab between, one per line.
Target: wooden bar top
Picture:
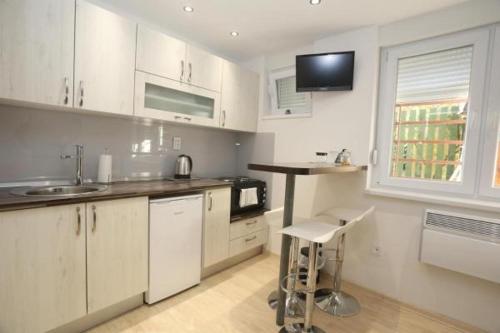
305	168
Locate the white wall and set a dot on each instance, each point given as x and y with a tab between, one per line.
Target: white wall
344	119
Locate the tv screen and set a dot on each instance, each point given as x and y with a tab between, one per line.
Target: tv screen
325	71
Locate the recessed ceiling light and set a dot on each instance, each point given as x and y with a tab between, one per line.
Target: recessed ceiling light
234	33
188	9
314	2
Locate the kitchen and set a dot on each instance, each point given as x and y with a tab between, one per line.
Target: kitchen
145	148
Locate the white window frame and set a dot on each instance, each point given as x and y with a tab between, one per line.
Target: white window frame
380	178
491	124
276	112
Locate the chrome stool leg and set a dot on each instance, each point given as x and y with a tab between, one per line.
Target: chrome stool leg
307	326
294	304
334	301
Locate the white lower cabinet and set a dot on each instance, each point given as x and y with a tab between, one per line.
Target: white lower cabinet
216	222
54	259
117	251
247	234
42	268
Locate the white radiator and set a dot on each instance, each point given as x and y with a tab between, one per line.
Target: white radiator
466	244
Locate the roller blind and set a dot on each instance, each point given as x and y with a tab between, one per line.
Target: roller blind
288	98
435	76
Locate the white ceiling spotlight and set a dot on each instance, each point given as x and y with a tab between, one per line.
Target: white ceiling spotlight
314	2
188	9
234	33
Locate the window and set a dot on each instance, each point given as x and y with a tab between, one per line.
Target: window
285	100
432	114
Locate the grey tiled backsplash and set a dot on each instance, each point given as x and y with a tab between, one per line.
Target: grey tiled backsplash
32	141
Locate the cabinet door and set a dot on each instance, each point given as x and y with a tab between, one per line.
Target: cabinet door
248	110
36	57
161	98
216	226
203	69
104	60
42	274
160	54
230	95
117	251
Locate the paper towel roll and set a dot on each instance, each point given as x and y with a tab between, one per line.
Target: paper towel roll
105	166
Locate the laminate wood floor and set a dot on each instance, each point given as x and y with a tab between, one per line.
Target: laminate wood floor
234	301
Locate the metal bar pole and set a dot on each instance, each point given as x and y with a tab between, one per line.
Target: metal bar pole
285	247
311	286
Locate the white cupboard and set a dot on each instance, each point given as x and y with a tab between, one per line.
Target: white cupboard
117	251
36	57
216	222
165	99
42	268
105	46
203	69
160	54
239	98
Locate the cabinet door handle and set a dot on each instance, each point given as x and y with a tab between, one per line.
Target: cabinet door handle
187	118
190	72
94	218
78	221
251	223
182	70
177	117
66	91
223	118
210	202
250	239
81	93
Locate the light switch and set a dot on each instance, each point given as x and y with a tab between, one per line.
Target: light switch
176	143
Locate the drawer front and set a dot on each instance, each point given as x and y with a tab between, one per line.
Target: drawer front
245	227
242	244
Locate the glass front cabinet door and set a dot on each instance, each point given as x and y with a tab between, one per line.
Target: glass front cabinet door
164	99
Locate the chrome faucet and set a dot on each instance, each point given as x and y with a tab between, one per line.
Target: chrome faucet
79	159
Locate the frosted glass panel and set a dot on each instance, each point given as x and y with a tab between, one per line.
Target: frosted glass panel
171	100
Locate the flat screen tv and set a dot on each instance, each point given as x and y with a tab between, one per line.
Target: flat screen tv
325	71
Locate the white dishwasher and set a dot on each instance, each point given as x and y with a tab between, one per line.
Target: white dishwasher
175	236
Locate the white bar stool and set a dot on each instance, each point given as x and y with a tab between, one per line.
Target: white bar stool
333	300
315	233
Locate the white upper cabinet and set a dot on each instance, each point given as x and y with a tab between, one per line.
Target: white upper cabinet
160	54
248	101
229	95
36	57
104	60
203	69
239	98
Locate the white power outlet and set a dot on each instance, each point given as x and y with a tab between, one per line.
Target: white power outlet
376	250
176	143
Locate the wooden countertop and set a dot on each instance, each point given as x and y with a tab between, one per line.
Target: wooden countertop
154	189
306	168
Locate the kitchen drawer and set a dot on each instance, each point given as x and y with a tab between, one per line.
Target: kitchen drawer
242	244
247	226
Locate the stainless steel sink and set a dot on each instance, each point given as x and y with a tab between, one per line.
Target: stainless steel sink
59	191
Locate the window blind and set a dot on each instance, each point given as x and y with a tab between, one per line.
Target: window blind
288	98
434	76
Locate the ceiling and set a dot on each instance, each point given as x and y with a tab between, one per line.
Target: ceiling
268	26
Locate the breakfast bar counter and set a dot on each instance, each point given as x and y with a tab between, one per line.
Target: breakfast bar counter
291	170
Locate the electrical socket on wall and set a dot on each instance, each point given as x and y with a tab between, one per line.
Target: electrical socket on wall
176	143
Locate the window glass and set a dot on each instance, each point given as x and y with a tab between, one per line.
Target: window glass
288	98
430	115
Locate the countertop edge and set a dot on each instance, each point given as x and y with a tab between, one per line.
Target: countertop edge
50	202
